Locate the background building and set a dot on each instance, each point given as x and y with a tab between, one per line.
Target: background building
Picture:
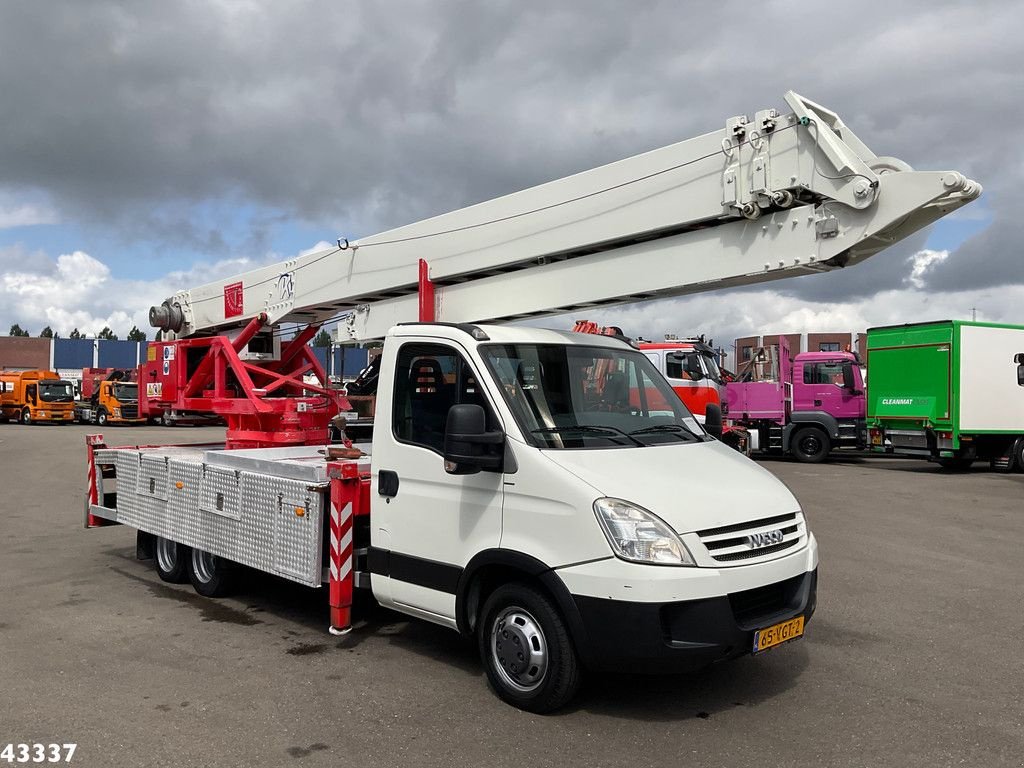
69	356
802	342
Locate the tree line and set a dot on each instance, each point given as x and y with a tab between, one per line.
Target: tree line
135	334
323	339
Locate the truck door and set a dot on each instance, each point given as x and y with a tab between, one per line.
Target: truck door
426	523
821	389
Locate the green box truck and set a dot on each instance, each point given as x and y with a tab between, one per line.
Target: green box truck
950	391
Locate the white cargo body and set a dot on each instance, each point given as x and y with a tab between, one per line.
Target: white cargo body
991	397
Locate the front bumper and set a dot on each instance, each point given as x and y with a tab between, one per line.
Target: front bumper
687	635
53	416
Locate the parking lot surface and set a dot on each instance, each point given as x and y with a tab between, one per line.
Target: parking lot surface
912	659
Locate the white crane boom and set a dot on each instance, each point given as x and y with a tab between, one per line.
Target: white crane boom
761	199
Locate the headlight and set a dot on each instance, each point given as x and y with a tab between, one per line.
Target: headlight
638	535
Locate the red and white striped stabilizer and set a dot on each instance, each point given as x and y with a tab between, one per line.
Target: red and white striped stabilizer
92	493
345	483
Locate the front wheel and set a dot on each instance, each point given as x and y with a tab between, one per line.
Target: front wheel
811	445
211	576
526	650
171	560
26	416
101	417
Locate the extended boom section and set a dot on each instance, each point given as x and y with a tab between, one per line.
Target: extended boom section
761	199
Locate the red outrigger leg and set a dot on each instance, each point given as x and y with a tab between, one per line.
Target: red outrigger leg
92	482
350	496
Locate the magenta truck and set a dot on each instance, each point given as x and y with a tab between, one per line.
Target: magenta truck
802	406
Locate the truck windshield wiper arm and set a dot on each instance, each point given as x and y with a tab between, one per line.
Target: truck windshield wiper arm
586	428
676	429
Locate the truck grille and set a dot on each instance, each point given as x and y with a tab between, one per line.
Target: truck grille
754	539
129	411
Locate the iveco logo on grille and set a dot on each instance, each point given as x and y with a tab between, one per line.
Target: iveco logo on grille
766	539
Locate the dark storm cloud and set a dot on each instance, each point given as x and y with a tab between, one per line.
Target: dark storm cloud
360	115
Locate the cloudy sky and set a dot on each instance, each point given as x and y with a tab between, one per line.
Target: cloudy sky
147	147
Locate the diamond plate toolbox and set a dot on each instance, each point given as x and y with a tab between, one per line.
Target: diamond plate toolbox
270	523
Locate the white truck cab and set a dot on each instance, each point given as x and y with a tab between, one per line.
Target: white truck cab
567	530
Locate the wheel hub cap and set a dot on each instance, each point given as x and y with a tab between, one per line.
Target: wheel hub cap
204	564
518	649
166	554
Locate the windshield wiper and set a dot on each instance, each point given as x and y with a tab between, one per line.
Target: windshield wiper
675	429
586	428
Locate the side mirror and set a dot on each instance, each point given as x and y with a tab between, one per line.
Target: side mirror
713	420
1019	360
692	366
468	446
848	381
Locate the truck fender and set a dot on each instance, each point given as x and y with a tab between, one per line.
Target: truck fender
801	418
510	562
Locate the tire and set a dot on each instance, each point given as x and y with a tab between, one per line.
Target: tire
517	617
955	464
1018	454
810	445
26	416
211	576
171	560
101	417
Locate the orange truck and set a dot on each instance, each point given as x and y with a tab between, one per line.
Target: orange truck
36	396
109	396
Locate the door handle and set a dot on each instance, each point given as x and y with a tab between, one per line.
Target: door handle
387	483
817	403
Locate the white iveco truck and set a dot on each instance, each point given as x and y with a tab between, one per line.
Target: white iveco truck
569	526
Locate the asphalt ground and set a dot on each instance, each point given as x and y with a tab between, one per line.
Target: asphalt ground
912	659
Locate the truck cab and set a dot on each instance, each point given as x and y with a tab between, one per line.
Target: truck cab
497	475
802	406
691	368
36	396
831	383
108	396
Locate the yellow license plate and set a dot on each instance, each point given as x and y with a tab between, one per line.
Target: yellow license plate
778	634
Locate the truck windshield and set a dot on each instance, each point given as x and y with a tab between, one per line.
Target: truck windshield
711	366
126	392
56	391
569	396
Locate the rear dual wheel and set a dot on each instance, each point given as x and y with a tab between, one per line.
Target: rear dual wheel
171	560
211	576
